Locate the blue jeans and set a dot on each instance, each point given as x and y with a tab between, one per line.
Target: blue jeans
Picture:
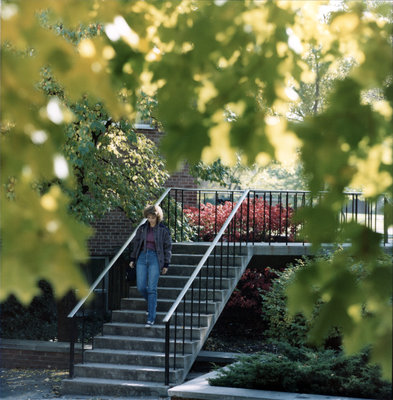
147	275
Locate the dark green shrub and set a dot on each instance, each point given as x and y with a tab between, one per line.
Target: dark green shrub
38	321
302	370
177	221
283	326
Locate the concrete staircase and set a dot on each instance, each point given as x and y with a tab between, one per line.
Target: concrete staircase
129	359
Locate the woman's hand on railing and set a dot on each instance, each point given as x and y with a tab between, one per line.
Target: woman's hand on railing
132	264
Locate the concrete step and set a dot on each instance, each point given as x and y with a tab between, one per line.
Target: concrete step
190	248
128	359
201	248
126	372
193	259
156	331
112	387
142	343
134	357
139	317
180	281
173	292
132	303
187	270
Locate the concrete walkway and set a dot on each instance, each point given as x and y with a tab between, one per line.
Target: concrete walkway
200	389
21	384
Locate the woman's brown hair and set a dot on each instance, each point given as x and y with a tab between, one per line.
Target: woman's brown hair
153	210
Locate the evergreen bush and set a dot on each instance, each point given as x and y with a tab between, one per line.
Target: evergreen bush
178	222
282	326
301	370
39	320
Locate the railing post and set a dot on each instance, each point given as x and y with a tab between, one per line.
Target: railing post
270	217
174	341
72	358
303	220
192	312
182	215
295	211
214	274
184	321
206	286
168	211
385	221
240	227
228	234
199	215
264	217
248	217
215	217
199	300
280	214
167	334
72	334
253	218
221	262
175	216
286	219
83	333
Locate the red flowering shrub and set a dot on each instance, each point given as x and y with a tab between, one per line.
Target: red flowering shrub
247	294
264	222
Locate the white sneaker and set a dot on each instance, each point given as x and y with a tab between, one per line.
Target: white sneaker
149	324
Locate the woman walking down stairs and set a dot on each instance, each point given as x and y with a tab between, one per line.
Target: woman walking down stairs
128	359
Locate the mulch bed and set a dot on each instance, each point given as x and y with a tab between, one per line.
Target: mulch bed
31	383
236	344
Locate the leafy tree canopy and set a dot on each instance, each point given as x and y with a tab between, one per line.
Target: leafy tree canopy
274	176
222	73
61	151
113	166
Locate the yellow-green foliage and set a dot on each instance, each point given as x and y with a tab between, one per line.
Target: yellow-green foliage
222	73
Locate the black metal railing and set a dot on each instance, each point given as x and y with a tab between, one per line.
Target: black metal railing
257	216
198	214
200	290
78	312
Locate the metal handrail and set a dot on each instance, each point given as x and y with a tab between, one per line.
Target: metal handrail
114	259
204	258
263	190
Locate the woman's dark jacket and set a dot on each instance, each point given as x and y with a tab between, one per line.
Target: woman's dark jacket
163	241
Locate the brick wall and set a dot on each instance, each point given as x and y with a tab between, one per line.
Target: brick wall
153	134
36	354
110	233
180	179
183	179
